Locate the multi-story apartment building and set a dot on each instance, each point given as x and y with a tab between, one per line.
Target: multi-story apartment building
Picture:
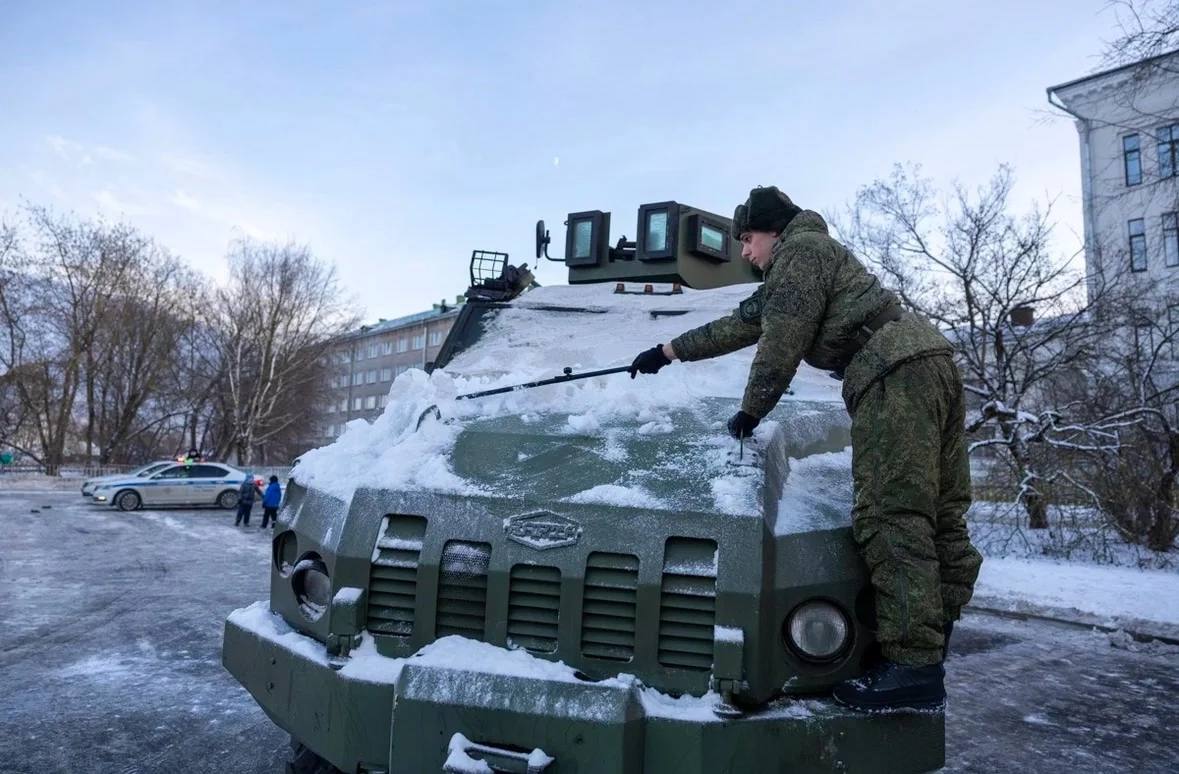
365	362
1128	122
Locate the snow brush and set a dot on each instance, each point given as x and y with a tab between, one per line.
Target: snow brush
566	376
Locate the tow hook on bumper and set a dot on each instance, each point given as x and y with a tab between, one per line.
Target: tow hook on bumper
464	756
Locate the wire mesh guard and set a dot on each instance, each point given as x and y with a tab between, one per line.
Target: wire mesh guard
486	265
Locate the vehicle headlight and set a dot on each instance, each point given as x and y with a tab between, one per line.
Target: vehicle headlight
817	630
312	586
285	552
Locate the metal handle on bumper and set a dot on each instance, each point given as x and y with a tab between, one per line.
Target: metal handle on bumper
463	754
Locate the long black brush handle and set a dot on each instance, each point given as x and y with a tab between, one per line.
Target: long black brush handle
568	376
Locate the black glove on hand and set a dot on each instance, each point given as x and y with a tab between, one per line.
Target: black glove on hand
649	361
742	424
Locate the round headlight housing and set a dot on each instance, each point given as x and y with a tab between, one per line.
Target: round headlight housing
817	630
285	552
312	586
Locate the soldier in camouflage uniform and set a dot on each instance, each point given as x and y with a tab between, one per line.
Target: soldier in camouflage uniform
904	394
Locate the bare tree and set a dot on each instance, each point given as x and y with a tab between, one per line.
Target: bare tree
977	270
1128	424
275	319
197	375
1146	29
61	288
127	380
14	424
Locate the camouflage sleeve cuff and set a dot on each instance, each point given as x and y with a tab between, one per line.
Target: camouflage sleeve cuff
758	402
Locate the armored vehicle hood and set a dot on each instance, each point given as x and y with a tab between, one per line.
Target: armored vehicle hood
655	443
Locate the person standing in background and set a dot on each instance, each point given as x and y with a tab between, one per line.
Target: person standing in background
271	501
245	499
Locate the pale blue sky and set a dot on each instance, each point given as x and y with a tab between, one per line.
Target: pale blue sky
394	138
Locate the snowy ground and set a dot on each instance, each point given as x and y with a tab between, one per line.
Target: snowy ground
111	633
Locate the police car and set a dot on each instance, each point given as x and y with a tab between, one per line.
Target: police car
197	483
152	467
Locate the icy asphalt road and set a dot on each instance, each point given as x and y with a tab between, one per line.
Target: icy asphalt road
110	636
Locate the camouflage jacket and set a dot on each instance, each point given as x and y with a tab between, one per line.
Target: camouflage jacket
816	295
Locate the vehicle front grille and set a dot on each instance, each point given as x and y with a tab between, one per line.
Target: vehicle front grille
687	604
393	577
608	607
462	589
468	593
534	606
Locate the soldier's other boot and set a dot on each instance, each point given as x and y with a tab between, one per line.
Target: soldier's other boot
892	686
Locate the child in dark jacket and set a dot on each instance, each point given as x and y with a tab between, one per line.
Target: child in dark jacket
245	499
271	500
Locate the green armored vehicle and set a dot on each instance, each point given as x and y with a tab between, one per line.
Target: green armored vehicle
589	576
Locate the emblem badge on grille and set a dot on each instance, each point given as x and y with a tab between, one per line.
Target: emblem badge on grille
542	530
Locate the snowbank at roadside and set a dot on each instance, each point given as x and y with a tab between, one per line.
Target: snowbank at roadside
1145	601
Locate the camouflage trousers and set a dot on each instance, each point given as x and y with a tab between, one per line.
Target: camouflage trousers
912	488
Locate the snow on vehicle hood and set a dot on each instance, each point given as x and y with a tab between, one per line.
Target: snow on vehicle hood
586	327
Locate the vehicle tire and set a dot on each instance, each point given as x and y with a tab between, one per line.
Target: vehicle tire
227	500
304	761
128	500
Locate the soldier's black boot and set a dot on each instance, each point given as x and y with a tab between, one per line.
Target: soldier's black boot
891	686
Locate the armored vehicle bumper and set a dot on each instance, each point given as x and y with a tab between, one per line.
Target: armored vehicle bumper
477	702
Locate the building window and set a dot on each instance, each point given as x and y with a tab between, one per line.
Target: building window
344	404
435	338
402	369
1144	340
402	345
358	378
370	402
356	404
1173	329
419	340
370	377
1137	244
332	407
1168	139
1171	238
387	347
1132	159
382	400
386	374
